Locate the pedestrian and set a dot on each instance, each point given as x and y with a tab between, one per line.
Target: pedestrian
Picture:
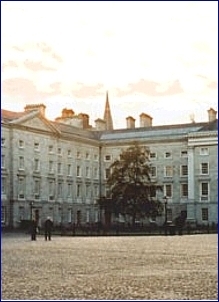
33	229
48	228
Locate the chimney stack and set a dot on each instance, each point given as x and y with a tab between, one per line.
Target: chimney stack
130	122
40	107
100	124
212	115
145	120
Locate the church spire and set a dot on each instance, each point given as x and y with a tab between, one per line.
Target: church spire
107	114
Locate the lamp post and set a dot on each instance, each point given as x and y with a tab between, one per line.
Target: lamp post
165	209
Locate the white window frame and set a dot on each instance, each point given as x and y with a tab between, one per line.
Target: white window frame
36	164
95	173
182	172
204	151
205	212
51	149
168	155
37	187
69	167
59	168
69	190
78	171
21	144
153	155
21	163
108	157
21	187
60	189
153	171
184	153
36	146
203	196
51	189
182	190
87	172
95	157
69	153
202	169
59	151
78	190
168	169
51	166
166	193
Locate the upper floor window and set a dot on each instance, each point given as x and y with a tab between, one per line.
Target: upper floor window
69	169
204	168
204	191
21	163
107	173
69	190
51	190
107	157
59	151
78	171
95	173
2	141
87	172
87	155
69	153
184	153
184	190
59	168
60	189
168	171
184	170
21	187
95	157
168	190
168	155
51	149
153	155
204	151
36	164
36	146
51	166
78	154
21	143
2	161
153	171
37	189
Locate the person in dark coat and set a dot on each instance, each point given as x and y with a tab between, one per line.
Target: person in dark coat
48	228
33	229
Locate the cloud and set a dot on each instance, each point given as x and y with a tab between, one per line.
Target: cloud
10	64
37	66
151	88
213	85
45	48
25	90
18	48
86	91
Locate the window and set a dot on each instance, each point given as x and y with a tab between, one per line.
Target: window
78	154
153	191
184	170
184	190
60	185
37	189
59	168
205	214
168	190
204	168
3	185
21	187
184	153
36	146
59	151
51	190
78	171
51	166
87	155
3	214
21	144
95	157
95	173
50	149
168	155
168	171
96	191
69	215
88	191
204	191
21	163
69	153
21	213
69	194
153	155
36	164
107	158
78	193
87	171
204	151
3	161
2	141
153	171
107	173
69	169
169	215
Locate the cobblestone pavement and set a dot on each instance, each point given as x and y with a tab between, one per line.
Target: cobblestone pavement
114	268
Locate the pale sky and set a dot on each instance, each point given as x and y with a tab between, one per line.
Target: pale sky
160	58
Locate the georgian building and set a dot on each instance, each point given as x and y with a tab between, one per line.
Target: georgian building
59	168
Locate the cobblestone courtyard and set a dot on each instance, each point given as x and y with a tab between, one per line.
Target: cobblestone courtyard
144	268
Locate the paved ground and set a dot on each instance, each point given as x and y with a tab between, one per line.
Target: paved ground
139	268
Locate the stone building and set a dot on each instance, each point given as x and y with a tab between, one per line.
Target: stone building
59	168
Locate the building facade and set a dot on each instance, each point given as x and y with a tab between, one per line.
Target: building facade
59	168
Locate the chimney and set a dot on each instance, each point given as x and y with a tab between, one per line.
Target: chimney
145	120
67	113
100	124
85	119
130	122
212	115
40	107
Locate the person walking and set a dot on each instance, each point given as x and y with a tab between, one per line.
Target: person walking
33	229
48	228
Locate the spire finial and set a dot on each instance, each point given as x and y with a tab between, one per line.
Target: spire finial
107	114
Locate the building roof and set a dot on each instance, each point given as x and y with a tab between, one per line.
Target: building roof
7	115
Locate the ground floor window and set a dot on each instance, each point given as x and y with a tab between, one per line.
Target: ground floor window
205	214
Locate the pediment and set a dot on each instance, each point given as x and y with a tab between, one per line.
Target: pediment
37	123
